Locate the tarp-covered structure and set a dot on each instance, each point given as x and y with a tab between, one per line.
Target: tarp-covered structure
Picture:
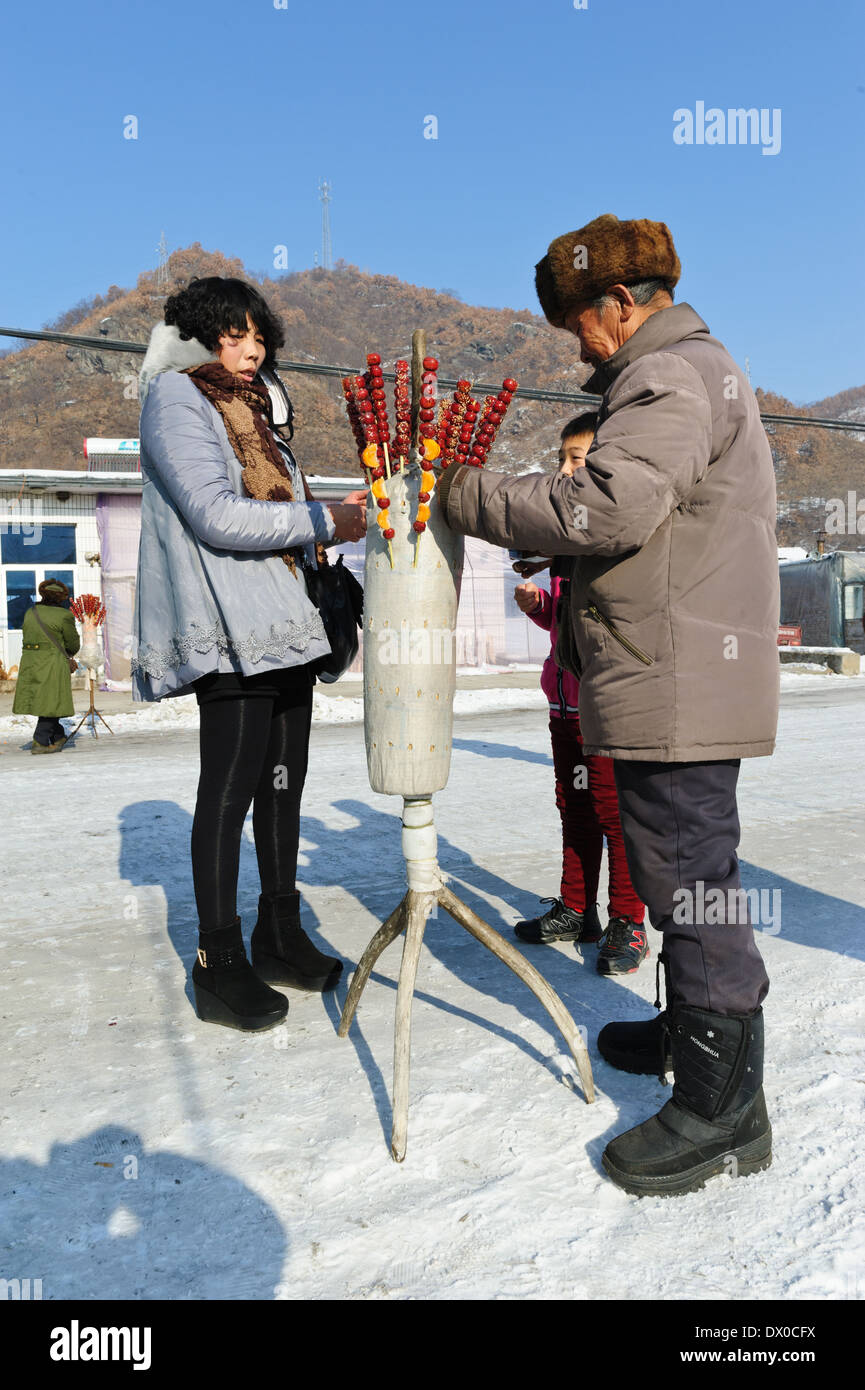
824	596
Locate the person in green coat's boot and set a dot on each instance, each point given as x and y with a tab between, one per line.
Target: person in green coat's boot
44	686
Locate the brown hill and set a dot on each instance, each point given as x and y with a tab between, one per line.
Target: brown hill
52	396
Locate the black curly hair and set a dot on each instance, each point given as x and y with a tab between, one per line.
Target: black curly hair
214	305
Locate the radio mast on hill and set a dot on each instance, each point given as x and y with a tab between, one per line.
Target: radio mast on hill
326	249
162	268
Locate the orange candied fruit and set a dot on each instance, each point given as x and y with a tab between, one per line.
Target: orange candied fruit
431	449
423	512
382	521
427	481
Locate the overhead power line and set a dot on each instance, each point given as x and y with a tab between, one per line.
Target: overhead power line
526	393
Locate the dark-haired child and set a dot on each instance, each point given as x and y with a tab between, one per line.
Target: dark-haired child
585	786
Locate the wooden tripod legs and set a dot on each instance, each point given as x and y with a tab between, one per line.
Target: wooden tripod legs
411	916
93	714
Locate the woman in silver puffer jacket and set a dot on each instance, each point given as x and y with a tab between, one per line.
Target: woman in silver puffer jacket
228	527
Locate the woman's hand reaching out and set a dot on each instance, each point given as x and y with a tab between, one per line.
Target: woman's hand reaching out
349	517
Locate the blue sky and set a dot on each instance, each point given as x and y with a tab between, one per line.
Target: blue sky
547	116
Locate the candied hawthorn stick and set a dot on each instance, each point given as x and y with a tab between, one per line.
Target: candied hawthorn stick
428	398
354	415
375	385
462	396
402	410
382	501
369	459
430	452
482	438
494	413
468	425
445	412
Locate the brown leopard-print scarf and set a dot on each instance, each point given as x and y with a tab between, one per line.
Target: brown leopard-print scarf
245	410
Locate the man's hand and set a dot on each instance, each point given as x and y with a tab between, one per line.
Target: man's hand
355	499
525	569
528	597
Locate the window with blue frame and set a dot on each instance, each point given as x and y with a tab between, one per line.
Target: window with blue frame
38	545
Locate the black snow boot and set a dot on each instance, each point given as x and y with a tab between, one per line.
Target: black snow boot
283	954
227	990
716	1121
560	923
642	1048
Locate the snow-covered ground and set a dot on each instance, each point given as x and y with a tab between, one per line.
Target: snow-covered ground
347	708
147	1155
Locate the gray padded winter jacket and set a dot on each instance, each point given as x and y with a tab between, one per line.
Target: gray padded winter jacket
212	593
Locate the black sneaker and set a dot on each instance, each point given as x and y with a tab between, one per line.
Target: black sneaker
625	947
560	923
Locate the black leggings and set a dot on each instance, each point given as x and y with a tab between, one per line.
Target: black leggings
254	749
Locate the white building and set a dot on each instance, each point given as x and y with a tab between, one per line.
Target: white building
83	528
52	524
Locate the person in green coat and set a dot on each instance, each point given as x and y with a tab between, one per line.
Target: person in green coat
44	685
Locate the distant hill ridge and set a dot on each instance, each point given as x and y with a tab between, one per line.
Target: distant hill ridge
52	396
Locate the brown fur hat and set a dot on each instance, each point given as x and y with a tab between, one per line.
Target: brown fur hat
53	591
616	253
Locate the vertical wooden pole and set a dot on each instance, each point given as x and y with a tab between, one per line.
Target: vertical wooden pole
418	353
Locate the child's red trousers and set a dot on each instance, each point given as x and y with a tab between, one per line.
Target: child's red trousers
589	811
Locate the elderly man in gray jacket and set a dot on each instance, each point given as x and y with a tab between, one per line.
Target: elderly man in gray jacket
674	606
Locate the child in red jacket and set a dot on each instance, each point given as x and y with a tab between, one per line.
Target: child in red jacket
585	786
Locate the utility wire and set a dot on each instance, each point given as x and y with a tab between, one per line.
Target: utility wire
526	393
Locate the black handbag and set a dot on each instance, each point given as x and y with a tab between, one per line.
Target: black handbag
339	599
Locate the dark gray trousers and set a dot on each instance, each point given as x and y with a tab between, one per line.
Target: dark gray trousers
48	730
681	829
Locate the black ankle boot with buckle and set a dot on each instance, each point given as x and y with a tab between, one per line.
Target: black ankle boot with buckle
226	988
716	1121
283	954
